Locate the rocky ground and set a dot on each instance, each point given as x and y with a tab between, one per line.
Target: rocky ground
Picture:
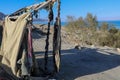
84	63
90	64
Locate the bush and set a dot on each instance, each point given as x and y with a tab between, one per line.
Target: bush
91	33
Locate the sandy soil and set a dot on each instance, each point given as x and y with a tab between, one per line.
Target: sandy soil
90	63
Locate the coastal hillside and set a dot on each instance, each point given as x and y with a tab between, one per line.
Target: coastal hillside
88	31
2	15
86	62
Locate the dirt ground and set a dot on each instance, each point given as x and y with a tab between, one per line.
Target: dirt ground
89	63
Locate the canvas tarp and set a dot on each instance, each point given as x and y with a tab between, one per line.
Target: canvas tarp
13	32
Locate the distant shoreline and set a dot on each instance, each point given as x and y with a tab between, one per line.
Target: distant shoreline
116	23
44	22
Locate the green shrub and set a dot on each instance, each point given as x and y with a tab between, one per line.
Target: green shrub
90	32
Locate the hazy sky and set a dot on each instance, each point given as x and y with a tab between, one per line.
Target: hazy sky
103	9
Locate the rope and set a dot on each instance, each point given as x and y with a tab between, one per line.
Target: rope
57	41
50	18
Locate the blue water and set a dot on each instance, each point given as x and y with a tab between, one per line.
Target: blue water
45	22
115	23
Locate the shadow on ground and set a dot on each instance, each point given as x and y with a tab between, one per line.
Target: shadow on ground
76	63
37	34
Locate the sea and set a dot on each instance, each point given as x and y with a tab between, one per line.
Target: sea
115	23
52	23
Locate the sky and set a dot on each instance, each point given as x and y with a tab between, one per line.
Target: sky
103	9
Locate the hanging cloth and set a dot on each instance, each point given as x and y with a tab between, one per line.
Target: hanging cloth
56	45
13	32
30	52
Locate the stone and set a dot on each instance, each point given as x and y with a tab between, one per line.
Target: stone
118	49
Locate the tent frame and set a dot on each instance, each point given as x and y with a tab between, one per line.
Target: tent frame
33	9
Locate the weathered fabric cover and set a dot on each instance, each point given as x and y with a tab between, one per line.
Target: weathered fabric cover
13	32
